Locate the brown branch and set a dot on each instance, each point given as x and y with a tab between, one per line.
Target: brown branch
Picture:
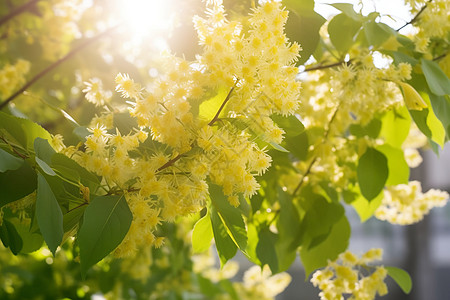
17	11
14	149
308	170
415	17
55	64
325	66
169	163
325	136
216	117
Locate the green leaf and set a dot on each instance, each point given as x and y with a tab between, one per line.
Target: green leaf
32	241
297	145
376	33
290	124
342	30
71	170
23	131
124	122
347	8
49	215
441	106
401	277
319	218
265	250
46	168
43	150
438	82
364	207
81	132
289	222
299	5
398	168
372	129
395	126
202	234
428	123
209	108
230	216
10	237
106	221
372	172
336	242
9	161
226	247
278	147
303	27
16	184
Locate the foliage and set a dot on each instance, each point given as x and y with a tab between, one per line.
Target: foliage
259	143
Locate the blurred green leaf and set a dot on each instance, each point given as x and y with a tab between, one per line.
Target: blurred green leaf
265	250
398	168
372	173
336	243
395	126
10	237
342	30
16	184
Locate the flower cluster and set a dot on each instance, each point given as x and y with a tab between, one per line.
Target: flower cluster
351	275
12	76
201	119
95	92
405	204
260	284
433	22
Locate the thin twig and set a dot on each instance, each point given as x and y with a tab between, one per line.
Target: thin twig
308	170
221	107
415	17
17	11
325	136
325	66
54	65
216	117
14	149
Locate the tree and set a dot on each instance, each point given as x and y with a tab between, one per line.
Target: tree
260	136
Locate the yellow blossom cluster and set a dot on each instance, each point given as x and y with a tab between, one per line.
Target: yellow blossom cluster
12	76
433	22
405	204
53	26
260	284
197	122
95	92
259	64
348	275
415	140
365	90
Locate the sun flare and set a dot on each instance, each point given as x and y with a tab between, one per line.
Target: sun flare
146	18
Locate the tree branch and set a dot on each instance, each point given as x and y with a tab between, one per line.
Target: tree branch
325	66
54	65
325	136
17	11
221	107
216	117
415	17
